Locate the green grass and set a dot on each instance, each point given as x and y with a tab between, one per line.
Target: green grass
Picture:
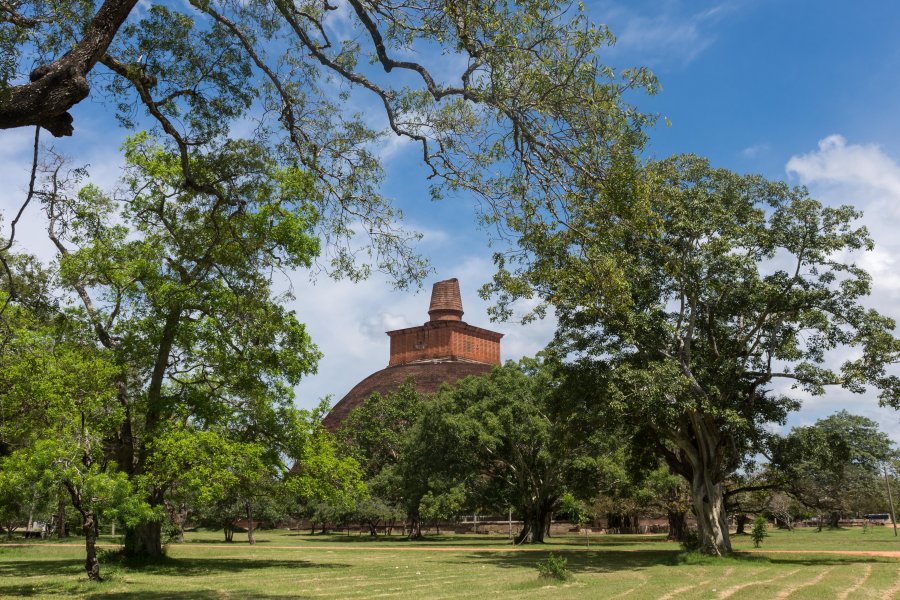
291	565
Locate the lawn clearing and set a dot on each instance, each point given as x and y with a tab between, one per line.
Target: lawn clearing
291	565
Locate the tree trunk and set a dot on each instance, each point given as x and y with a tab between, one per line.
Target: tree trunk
415	528
144	540
229	533
61	524
91	531
30	521
709	507
834	519
535	524
250	536
677	524
700	461
741	521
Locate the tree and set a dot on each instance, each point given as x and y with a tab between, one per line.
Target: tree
493	434
375	435
176	287
323	479
835	465
670	493
705	289
530	104
59	411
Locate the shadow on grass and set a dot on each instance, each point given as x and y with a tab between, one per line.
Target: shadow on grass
92	590
180	567
199	594
432	540
598	542
223	542
813	559
608	561
175	567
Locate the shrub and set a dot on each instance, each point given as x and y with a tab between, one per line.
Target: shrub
554	567
690	540
759	533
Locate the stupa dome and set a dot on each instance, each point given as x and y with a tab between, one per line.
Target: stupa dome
442	350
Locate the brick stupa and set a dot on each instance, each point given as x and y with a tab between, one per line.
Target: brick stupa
443	350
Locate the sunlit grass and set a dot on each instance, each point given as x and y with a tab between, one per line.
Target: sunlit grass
291	565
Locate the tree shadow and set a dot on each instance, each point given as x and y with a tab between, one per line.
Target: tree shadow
223	542
578	561
198	594
175	567
27	590
813	559
34	568
608	561
181	567
399	539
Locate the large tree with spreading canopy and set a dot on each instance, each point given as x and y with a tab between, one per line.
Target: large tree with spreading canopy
175	275
689	293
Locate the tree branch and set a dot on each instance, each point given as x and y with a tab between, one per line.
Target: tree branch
58	86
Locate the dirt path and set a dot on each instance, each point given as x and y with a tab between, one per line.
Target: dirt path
882	553
385	548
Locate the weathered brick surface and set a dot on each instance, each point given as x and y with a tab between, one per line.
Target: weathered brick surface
443	350
428	378
444	340
446	301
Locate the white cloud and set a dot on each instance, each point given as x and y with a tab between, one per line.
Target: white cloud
376	325
668	34
839	172
93	150
755	150
862	166
864	176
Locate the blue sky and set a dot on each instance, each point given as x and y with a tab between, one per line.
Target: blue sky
802	91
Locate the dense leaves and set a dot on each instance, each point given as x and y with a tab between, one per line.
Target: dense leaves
835	466
687	309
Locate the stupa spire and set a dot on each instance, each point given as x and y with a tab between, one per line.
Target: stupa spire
446	302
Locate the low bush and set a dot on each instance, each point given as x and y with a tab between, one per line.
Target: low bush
554	567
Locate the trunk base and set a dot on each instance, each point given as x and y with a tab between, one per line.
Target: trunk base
144	541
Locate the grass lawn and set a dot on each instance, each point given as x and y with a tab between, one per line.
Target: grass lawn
291	565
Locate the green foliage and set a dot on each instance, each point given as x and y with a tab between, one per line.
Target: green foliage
176	284
835	465
683	291
554	567
493	435
321	474
573	509
445	506
759	531
375	434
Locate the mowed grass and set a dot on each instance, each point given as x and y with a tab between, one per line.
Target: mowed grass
292	565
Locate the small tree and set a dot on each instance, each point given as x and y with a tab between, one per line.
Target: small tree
60	387
444	506
759	531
